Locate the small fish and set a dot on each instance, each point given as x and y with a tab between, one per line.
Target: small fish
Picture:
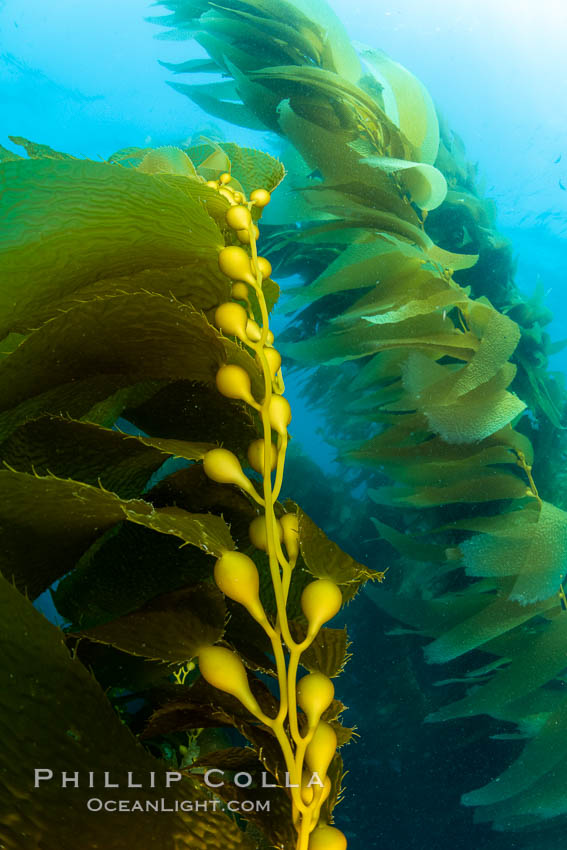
562	186
555	161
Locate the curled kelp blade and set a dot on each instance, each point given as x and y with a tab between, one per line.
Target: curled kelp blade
168	160
338	52
532	547
252	168
474	415
450	260
330	147
424	183
289	78
406	102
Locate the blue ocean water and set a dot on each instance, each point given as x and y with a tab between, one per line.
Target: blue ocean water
85	78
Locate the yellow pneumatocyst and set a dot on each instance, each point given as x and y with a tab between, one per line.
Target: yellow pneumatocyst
224	670
240	291
256	451
237	576
321	749
315	693
274	359
223	466
234	262
253	330
238	217
260	197
290	527
258	533
244	235
231	318
212	184
263	265
320	601
327	838
225	178
279	412
234	382
270	338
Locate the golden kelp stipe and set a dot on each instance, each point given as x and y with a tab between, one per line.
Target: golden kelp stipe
236	574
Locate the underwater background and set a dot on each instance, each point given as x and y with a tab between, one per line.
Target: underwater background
86	79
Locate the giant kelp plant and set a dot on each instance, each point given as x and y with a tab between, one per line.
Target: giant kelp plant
143	438
432	366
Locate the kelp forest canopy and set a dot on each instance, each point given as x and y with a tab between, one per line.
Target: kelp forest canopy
430	366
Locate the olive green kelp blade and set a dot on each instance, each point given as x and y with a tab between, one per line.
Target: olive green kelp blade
92	221
252	168
324	559
171	627
64	366
47	523
54	716
92	454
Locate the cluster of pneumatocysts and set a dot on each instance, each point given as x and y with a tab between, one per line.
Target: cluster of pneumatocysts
309	746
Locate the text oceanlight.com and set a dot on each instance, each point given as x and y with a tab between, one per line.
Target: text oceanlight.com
95	804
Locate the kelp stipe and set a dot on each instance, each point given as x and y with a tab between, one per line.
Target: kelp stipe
236	574
122	404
